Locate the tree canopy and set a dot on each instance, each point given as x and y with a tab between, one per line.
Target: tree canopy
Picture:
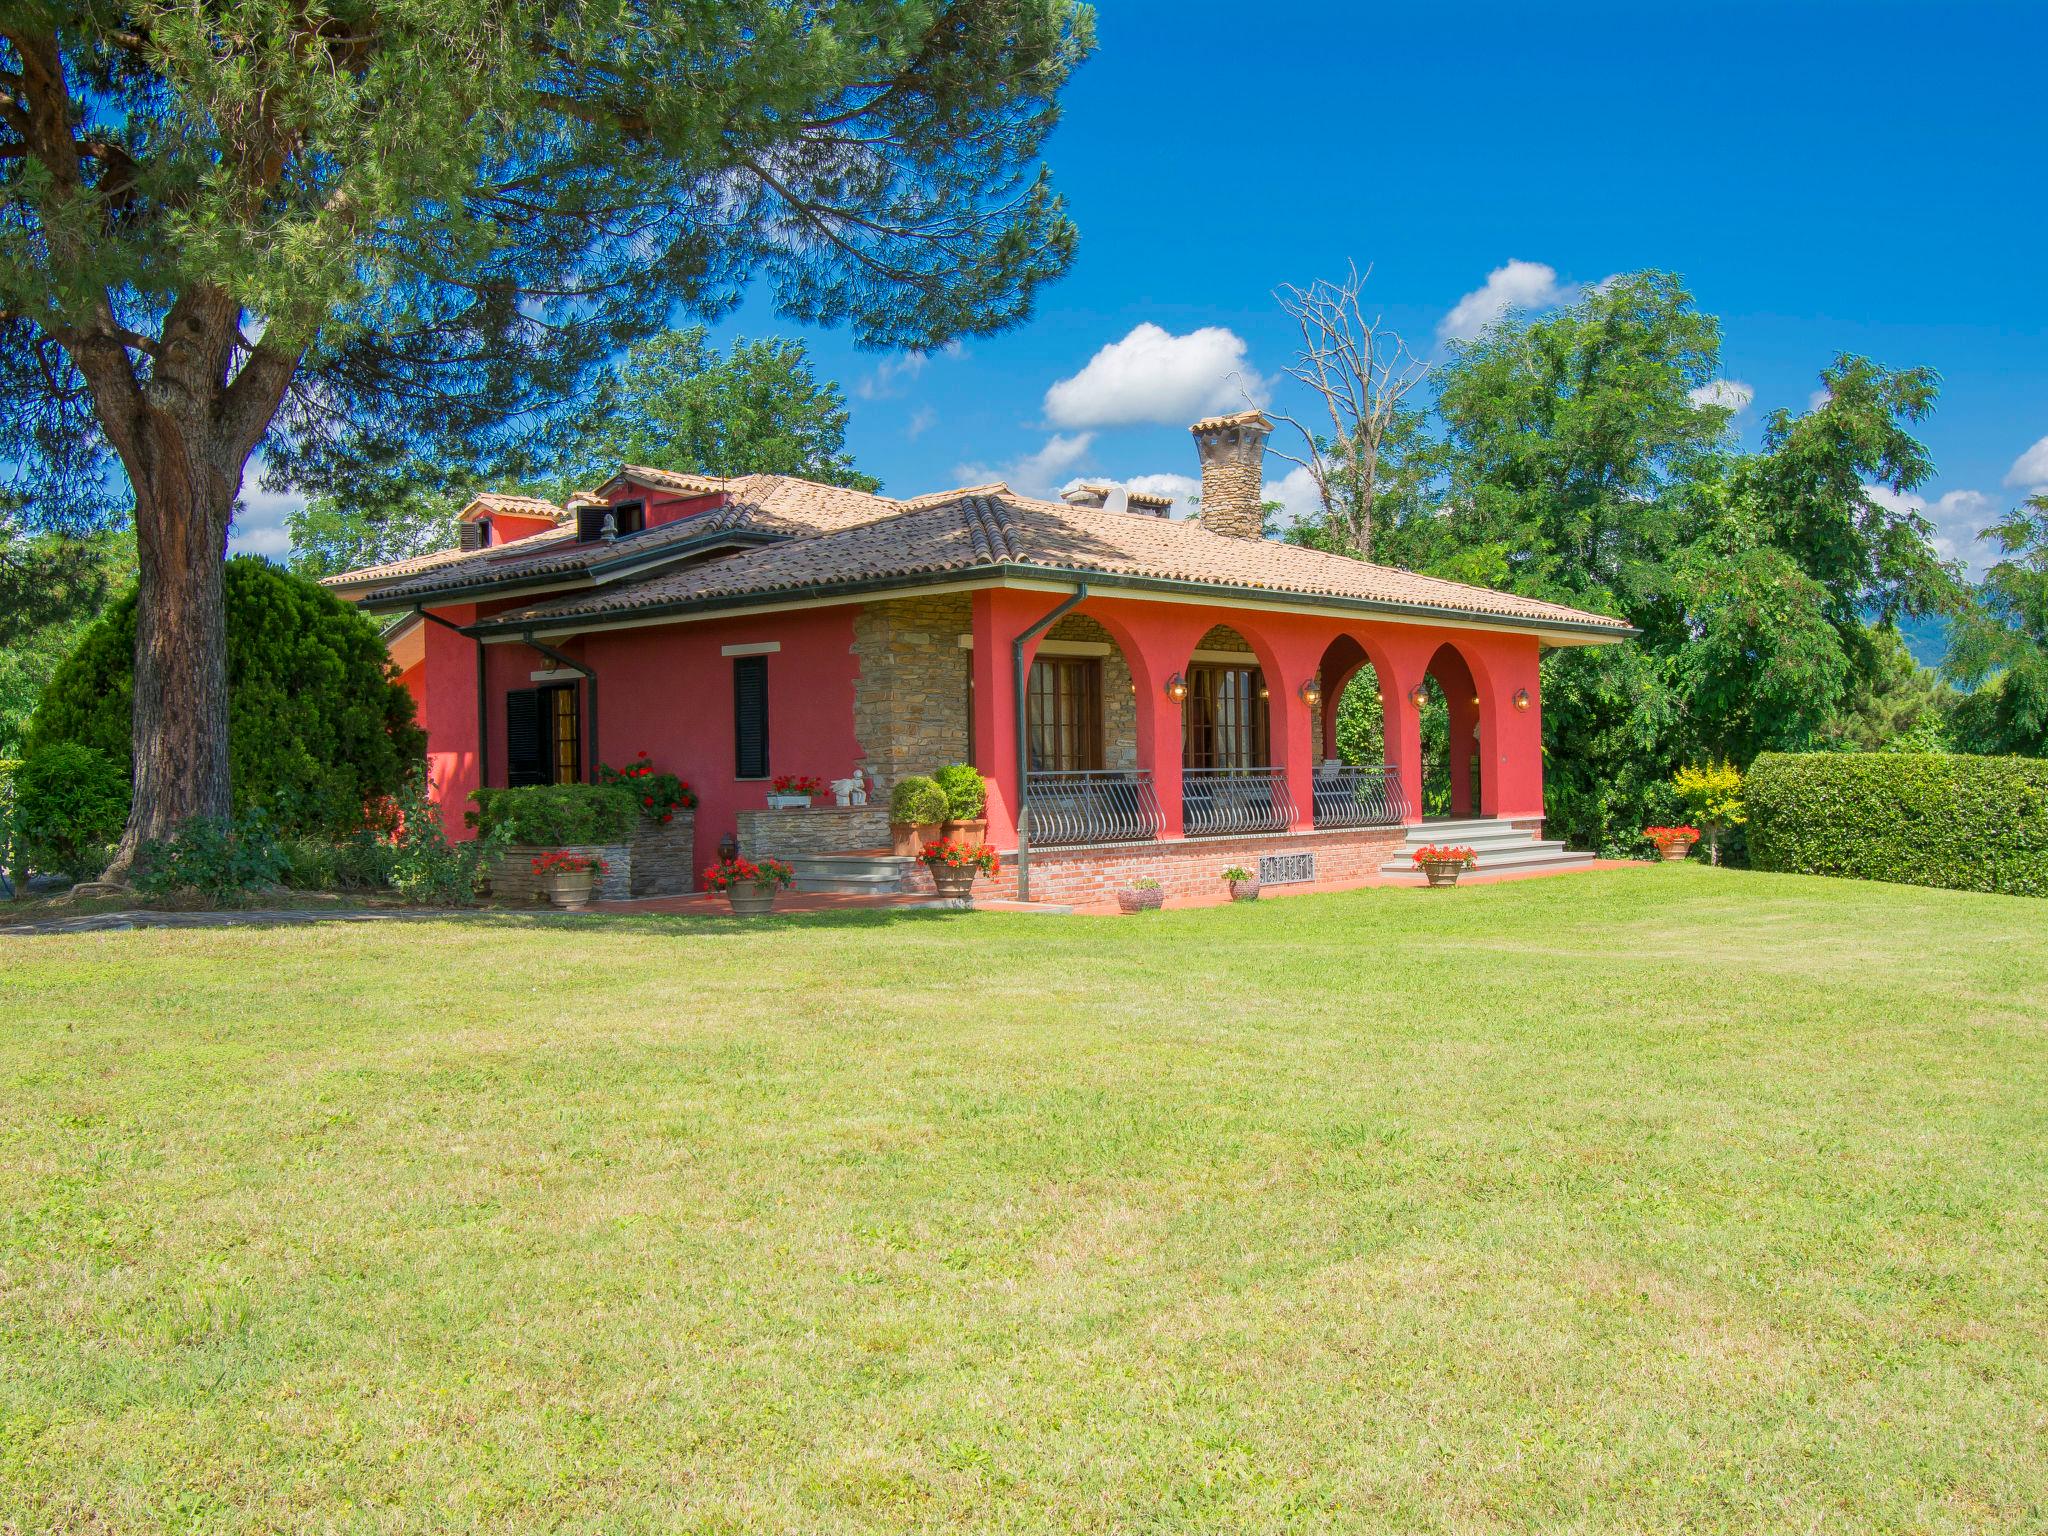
363	232
2000	647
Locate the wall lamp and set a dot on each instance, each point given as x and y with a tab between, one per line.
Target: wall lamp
1418	695
1312	693
1522	700
1177	688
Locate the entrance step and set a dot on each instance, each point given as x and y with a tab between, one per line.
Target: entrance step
1501	847
854	874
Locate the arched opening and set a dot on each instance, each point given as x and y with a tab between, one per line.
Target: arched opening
1356	780
1229	783
1081	740
1451	754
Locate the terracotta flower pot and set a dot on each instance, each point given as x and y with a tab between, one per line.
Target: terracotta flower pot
751	900
954	884
908	841
971	834
570	889
1674	850
1133	900
1244	890
1442	871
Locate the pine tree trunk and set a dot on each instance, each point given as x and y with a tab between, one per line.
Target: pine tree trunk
181	677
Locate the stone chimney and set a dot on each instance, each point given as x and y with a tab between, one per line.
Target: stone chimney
1233	450
1148	505
1092	497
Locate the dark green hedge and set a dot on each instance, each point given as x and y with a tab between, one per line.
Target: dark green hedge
557	815
1968	823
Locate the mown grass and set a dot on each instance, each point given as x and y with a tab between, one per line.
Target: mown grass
1646	1201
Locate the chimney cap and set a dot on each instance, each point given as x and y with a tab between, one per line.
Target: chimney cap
1252	418
1148	502
1088	493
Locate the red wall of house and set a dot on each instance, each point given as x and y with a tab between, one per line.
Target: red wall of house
667	690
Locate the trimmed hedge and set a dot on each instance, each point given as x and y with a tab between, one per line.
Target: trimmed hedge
1967	823
557	815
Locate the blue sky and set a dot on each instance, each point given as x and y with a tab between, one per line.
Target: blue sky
1864	177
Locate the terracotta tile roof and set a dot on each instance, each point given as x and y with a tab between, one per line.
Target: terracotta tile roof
392	570
984	528
524	506
770	505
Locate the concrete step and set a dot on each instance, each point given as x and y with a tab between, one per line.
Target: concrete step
1534	856
853	874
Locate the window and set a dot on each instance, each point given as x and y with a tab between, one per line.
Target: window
627	517
1227	718
1065	714
750	717
543	737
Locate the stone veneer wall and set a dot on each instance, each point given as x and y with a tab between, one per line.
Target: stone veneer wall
910	702
665	857
514	882
659	861
1194	866
821	829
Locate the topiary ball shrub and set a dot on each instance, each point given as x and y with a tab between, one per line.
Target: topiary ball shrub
70	805
320	732
965	790
916	801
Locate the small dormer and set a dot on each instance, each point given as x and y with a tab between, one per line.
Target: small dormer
651	498
493	519
604	521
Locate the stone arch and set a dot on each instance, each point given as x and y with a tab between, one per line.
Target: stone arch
1119	743
1464	683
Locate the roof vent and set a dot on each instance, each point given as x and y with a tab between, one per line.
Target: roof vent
1148	505
1088	495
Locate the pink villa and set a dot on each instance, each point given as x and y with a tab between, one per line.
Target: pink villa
1146	695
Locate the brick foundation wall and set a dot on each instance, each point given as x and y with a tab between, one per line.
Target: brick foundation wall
1188	867
821	829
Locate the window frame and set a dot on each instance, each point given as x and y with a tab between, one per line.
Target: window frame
742	666
1074	731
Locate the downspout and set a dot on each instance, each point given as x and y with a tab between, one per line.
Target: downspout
1023	733
483	705
589	676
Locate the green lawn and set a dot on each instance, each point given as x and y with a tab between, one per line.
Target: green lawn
1654	1200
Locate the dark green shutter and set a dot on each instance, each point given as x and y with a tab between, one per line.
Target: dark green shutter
750	717
526	739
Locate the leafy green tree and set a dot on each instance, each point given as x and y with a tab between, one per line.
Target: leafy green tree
675	402
64	585
320	733
2000	646
360	231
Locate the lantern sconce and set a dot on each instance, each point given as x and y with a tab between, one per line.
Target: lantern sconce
1522	700
1418	695
1177	688
1311	693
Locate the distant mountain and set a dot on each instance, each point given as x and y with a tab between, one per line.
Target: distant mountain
1926	638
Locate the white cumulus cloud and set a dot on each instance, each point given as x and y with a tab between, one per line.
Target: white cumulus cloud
1958	517
2030	469
1153	375
1296	493
1518	285
1732	395
1037	473
258	527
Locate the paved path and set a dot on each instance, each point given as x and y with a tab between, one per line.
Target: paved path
114	922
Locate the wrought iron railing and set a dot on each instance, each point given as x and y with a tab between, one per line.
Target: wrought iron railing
1349	796
1226	802
1104	806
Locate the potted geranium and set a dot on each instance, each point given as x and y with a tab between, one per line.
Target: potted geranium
793	791
1441	864
966	795
1244	885
749	885
1673	843
568	878
954	864
917	807
1142	895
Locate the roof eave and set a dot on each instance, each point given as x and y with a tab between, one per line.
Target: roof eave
584	576
1581	632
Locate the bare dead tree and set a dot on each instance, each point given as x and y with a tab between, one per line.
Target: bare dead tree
1361	370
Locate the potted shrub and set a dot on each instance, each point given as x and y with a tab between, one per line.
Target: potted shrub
1142	895
568	878
917	809
1711	793
1673	843
1441	864
1244	885
966	795
749	886
793	791
660	795
954	865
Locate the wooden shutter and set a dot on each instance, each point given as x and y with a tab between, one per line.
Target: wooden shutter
526	744
750	717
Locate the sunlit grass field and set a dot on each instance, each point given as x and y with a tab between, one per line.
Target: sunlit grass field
1656	1200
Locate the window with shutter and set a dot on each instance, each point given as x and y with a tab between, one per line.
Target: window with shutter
526	756
750	717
